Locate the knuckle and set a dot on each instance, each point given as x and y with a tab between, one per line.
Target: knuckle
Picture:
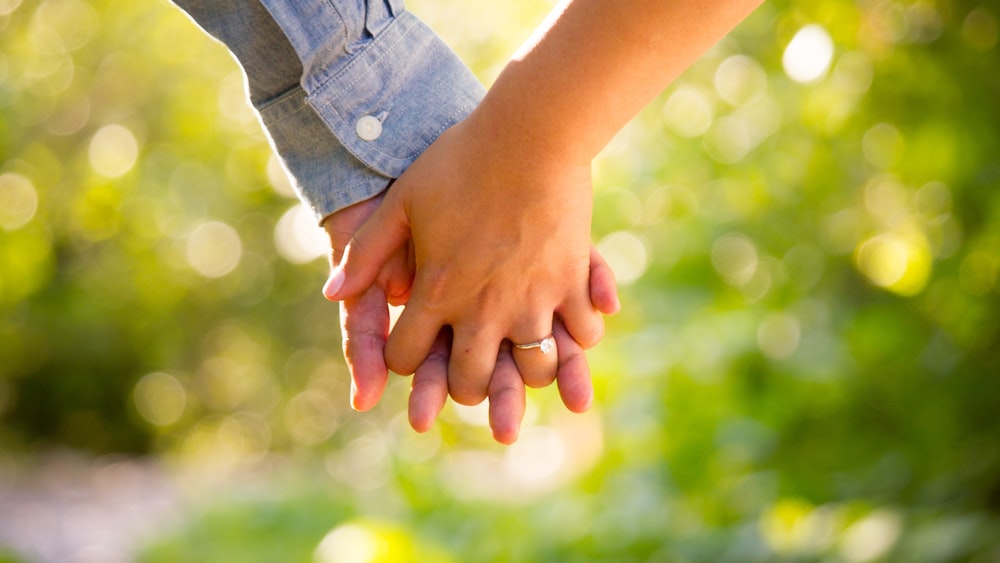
428	387
502	392
360	345
436	288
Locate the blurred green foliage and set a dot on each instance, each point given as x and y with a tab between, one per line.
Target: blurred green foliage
805	368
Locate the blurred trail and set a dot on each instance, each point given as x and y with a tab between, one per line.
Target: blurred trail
62	507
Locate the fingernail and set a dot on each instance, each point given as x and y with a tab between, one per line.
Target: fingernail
334	284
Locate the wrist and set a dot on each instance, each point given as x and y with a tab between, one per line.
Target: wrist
514	122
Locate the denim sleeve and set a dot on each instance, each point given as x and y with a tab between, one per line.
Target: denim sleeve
381	80
329	174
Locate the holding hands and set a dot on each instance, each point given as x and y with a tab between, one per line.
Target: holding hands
494	218
486	236
498	254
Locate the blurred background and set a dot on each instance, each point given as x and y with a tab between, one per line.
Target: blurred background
806	232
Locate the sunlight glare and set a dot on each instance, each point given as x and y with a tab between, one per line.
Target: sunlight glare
898	263
349	543
809	54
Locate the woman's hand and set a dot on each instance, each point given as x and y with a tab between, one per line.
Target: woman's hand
501	241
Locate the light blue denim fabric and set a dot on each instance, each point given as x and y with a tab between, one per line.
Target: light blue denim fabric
315	68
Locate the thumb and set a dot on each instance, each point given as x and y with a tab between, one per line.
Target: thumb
371	246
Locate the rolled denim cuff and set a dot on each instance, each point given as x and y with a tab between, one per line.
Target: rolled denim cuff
395	96
327	178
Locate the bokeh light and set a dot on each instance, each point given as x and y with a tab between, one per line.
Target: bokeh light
883	146
740	80
351	543
981	29
278	177
214	249
729	140
113	151
899	263
735	258
871	538
160	398
778	336
688	112
626	254
298	238
18	201
809	54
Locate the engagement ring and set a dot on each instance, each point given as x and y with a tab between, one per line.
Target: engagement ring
545	345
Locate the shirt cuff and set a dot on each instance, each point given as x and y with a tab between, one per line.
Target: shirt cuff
394	97
326	177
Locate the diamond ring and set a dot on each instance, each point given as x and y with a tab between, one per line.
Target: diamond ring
544	345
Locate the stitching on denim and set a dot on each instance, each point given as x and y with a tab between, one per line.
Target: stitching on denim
379	51
343	21
269	121
278	98
373	155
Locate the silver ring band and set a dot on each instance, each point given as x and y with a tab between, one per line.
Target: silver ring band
544	345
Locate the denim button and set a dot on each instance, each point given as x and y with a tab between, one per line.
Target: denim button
368	128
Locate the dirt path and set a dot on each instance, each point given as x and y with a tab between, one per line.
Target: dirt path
62	507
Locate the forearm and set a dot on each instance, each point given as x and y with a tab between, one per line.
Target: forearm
593	65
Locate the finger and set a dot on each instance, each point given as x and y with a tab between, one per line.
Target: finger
411	339
383	234
507	402
582	320
473	358
365	324
534	352
573	378
430	384
396	275
603	287
341	225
